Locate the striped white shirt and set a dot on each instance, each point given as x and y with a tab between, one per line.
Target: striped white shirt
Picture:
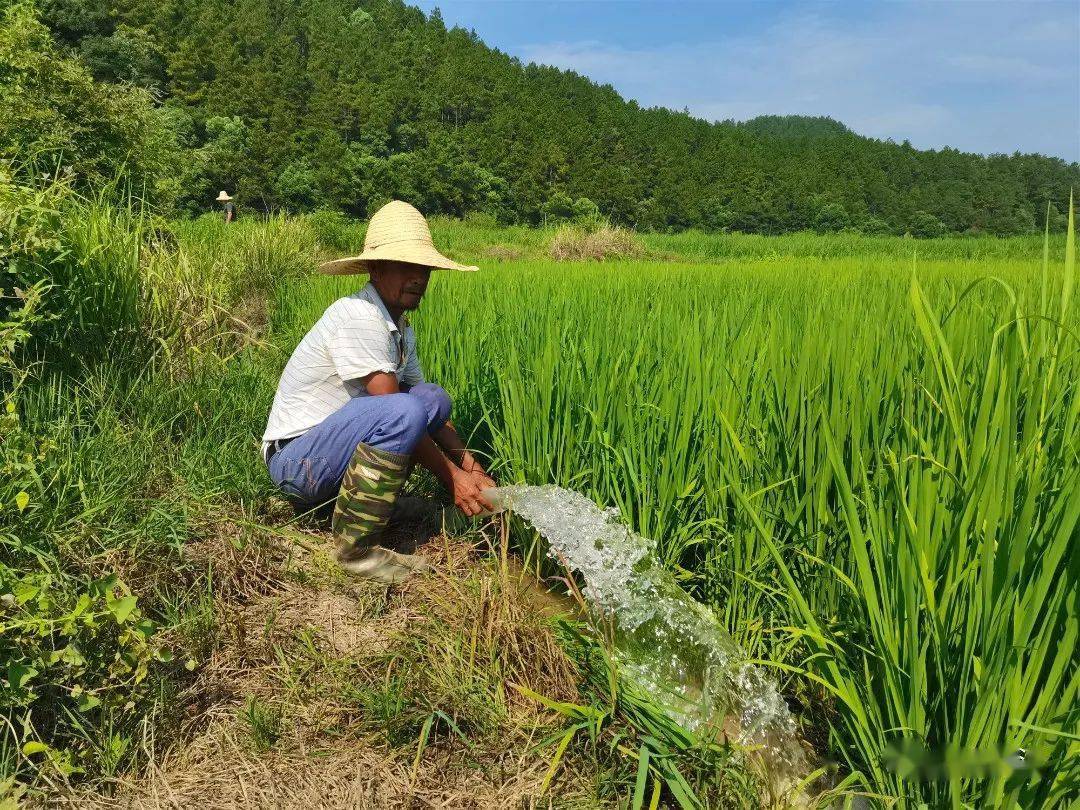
354	337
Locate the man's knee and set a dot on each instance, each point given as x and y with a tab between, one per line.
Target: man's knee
436	403
404	422
413	413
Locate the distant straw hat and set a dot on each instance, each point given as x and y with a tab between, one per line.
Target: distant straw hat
223	197
399	233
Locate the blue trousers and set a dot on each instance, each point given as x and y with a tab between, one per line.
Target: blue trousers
309	469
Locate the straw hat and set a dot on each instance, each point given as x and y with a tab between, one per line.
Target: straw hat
223	197
397	232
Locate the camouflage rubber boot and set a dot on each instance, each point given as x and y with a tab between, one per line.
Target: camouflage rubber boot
362	511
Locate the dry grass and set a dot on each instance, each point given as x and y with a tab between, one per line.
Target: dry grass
503	253
573	243
221	772
345	676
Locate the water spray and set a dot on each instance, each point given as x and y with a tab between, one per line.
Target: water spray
666	642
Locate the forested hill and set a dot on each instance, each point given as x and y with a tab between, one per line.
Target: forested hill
299	104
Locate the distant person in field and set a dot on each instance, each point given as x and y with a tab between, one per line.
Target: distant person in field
353	411
229	206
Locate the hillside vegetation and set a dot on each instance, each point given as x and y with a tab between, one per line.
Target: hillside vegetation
345	104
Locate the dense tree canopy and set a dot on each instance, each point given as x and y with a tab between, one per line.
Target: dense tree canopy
54	116
299	104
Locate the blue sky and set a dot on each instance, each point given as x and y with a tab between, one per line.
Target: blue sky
981	76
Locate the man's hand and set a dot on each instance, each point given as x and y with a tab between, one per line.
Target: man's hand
467	491
482	479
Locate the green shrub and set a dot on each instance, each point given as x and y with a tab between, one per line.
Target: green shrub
52	114
72	658
925	226
561	207
831	217
336	232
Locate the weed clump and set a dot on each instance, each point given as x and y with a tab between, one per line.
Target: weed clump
336	232
503	253
574	243
264	722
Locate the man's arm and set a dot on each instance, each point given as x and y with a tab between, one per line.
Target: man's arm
381	382
447	438
464	487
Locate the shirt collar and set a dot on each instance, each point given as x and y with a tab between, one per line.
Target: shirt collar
369	293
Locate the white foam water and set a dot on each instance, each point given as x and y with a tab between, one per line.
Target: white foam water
667	642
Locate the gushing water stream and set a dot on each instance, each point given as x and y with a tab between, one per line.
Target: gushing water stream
671	645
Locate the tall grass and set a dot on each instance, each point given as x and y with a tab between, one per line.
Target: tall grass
121	438
87	253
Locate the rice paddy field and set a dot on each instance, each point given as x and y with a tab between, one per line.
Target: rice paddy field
867	465
861	452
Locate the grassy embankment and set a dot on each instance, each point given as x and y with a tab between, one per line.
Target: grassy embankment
820	446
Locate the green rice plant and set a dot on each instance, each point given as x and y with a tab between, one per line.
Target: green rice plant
961	617
698	246
853	470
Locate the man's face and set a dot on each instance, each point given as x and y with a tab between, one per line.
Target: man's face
401	285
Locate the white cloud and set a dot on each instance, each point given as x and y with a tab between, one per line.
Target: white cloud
985	77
